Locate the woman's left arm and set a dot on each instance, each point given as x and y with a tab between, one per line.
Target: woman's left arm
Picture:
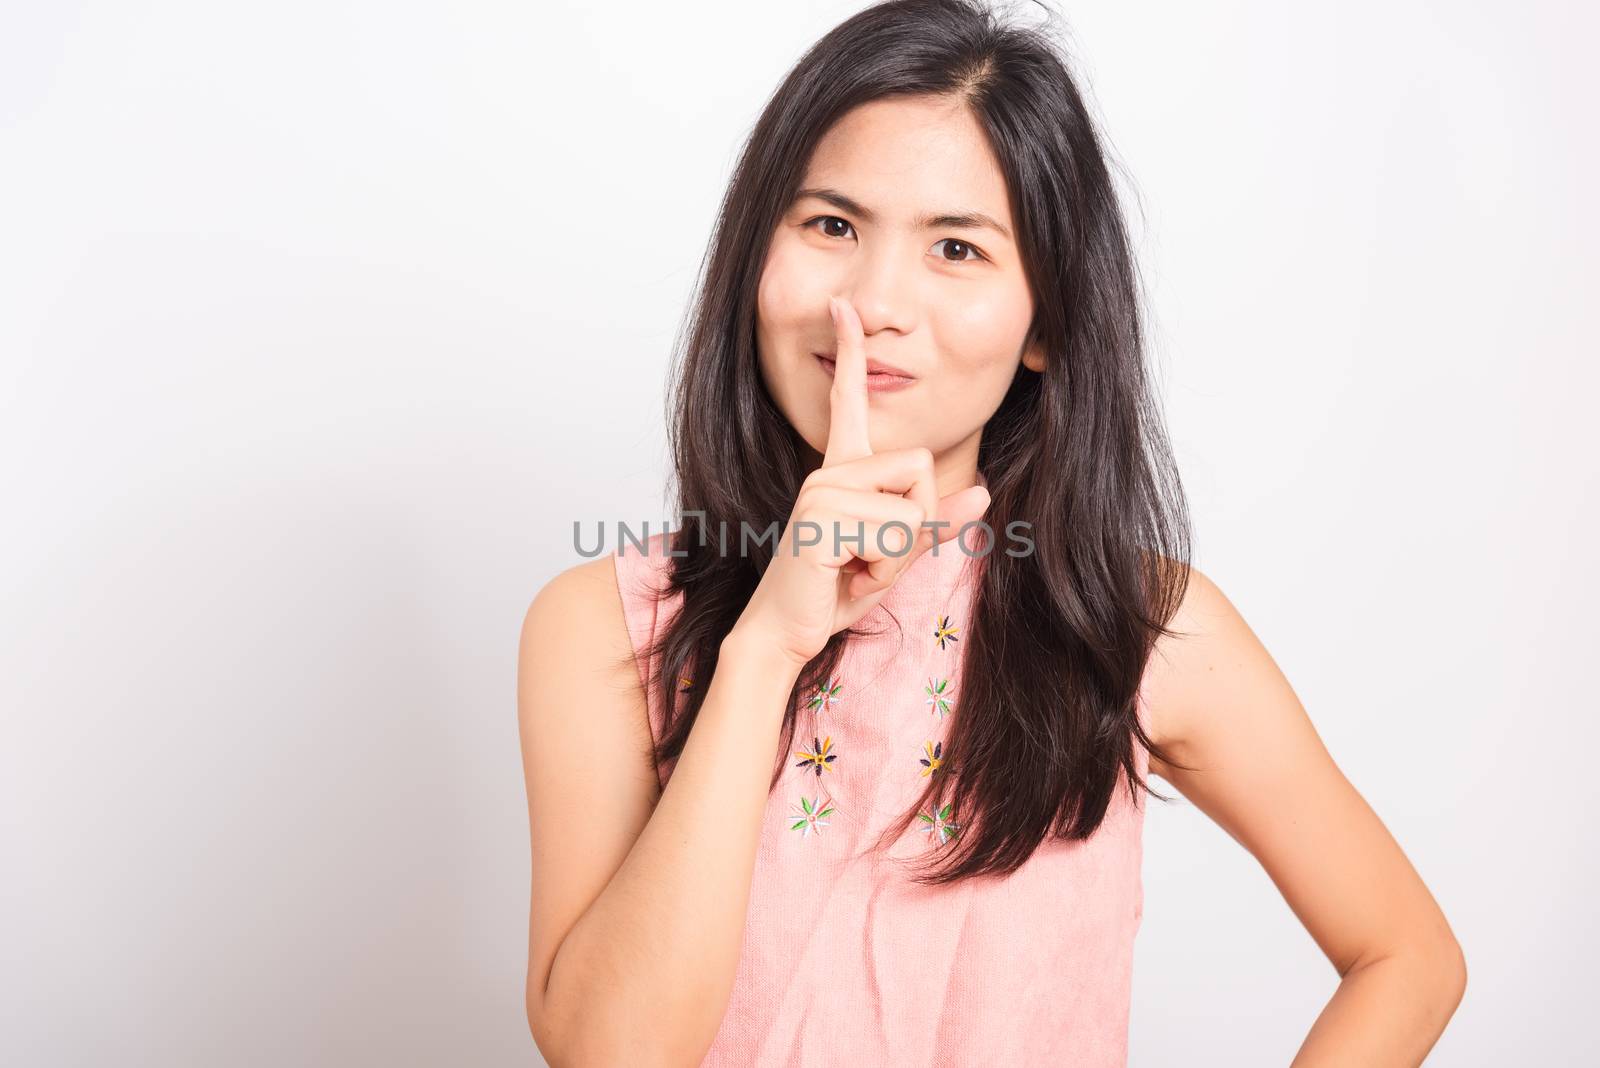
1218	703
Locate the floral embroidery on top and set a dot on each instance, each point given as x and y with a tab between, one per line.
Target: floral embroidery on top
826	695
938	691
820	756
943	632
934	760
808	815
939	825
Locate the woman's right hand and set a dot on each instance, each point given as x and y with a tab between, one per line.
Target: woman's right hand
810	592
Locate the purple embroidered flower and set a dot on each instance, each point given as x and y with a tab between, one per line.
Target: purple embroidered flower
819	756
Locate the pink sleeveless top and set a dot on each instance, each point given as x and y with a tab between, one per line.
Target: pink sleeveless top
845	962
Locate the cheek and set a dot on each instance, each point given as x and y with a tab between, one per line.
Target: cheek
785	299
985	333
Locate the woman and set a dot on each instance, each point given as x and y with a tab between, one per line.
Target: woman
870	793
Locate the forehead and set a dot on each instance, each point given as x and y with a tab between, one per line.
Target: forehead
906	155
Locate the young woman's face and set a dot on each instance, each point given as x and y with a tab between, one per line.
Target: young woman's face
944	301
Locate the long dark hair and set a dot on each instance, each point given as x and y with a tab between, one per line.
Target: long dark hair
1058	639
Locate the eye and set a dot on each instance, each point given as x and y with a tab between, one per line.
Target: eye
960	244
824	219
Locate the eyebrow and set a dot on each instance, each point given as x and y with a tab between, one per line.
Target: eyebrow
965	220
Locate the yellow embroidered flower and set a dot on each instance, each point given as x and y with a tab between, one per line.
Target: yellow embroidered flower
820	756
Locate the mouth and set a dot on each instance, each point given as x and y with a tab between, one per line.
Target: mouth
881	377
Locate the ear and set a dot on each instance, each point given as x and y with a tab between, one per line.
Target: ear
1033	354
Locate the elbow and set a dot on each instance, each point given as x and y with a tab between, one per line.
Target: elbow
1446	965
538	1027
596	1040
1438	971
1455	970
1434	970
1446	981
551	1033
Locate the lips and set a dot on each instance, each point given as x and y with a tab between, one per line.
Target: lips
876	369
881	378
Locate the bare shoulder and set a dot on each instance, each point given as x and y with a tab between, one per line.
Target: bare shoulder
575	647
584	594
1211	649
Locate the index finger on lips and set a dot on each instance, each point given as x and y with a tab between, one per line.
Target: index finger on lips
847	400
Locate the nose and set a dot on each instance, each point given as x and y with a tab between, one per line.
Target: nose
881	287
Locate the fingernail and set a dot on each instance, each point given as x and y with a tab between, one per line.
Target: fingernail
833	311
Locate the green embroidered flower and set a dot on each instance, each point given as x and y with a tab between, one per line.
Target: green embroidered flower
827	695
939	825
820	756
810	813
934	760
943	632
938	691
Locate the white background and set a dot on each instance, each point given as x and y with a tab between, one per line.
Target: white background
321	322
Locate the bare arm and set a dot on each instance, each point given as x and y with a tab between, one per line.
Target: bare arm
639	894
1219	703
